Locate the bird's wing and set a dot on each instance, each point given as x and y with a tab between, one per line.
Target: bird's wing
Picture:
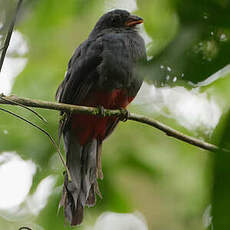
81	73
61	89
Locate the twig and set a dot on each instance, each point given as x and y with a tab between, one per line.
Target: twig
45	132
27	228
23	106
95	111
9	34
173	133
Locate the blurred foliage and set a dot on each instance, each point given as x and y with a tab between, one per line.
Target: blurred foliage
221	185
202	38
144	170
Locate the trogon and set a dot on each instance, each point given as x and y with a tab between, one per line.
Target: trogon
101	73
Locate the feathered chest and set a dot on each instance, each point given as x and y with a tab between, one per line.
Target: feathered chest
120	55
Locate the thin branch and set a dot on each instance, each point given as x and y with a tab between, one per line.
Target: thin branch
173	133
96	111
43	131
23	106
26	228
9	34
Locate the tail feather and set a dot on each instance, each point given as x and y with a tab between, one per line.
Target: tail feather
88	169
73	213
82	162
73	162
99	166
91	197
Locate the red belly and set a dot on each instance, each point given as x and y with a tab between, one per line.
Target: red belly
89	126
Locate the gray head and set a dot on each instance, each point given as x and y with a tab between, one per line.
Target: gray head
117	19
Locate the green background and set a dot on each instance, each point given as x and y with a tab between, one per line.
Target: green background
168	181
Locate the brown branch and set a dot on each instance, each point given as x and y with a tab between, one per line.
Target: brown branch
9	34
25	228
173	133
23	106
96	111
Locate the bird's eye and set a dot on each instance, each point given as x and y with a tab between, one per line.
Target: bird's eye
114	20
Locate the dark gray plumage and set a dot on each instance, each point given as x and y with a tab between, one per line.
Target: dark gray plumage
101	72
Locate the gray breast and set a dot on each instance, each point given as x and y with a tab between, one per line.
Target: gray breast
120	53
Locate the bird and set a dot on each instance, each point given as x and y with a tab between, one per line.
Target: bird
101	73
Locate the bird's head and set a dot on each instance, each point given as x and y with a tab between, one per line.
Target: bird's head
118	19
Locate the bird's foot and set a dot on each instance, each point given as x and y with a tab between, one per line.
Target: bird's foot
63	116
101	110
124	116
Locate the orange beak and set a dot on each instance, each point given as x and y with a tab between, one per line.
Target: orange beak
134	20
